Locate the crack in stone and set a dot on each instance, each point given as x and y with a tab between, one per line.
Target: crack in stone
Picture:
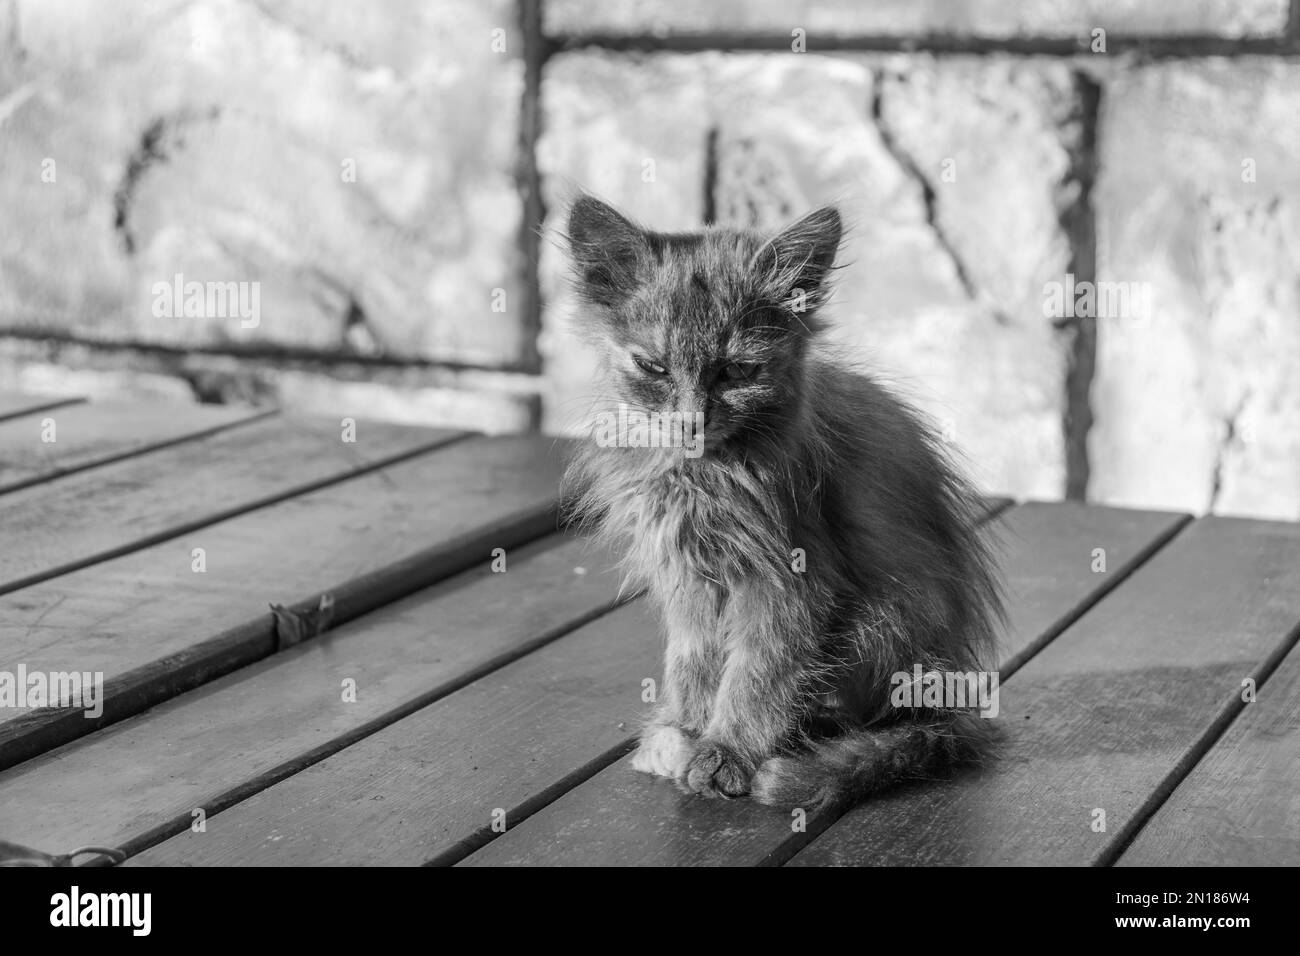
358	334
1229	436
146	154
928	198
149	152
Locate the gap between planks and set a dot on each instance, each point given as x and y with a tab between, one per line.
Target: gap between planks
94	419
1223	727
24	507
15	405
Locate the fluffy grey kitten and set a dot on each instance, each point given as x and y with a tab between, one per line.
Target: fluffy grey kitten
807	538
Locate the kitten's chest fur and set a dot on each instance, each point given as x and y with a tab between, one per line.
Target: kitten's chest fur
711	528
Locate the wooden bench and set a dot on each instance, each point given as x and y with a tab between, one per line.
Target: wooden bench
407	703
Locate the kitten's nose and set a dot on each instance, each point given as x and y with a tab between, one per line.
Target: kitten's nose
695	418
697	400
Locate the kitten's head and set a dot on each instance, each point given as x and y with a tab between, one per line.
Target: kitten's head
713	323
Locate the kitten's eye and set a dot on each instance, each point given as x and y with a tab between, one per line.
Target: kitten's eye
740	371
649	367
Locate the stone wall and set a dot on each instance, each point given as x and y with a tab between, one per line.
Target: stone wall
361	169
393	176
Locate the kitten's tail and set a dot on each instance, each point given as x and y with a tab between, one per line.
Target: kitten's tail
843	769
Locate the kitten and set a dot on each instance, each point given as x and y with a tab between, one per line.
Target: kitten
820	544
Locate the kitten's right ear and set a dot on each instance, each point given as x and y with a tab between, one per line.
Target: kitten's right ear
802	255
607	249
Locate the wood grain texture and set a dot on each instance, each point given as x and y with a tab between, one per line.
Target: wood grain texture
138	781
88	435
156	628
1107	718
13	404
95	515
621	817
1240	805
432	780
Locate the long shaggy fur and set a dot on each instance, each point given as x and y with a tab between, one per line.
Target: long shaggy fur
823	541
843	769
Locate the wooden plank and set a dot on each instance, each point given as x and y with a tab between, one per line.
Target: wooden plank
1107	718
511	741
155	628
1240	805
14	404
138	781
92	516
621	817
1060	549
421	786
37	448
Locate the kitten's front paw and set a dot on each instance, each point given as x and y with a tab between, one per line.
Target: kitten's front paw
664	751
718	771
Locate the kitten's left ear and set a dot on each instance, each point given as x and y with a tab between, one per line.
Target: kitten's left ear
802	255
